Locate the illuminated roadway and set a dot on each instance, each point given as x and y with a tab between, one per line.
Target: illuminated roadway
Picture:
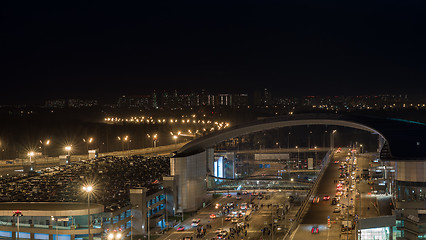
318	212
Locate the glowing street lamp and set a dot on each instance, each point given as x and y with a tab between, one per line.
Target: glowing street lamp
175	137
154	140
88	189
68	149
31	154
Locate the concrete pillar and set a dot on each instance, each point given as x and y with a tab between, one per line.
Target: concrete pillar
190	173
139	210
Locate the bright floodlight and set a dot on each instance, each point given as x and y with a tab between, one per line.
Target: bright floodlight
68	148
88	188
111	236
118	235
175	137
30	154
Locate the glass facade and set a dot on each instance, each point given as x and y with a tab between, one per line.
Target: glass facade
410	191
375	234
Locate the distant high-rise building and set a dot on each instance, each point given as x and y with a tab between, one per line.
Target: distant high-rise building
225	99
240	100
57	103
154	100
267	97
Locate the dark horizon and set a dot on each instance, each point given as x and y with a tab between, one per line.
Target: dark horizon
93	50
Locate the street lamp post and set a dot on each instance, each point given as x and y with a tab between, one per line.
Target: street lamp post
175	137
297	155
149	216
68	149
30	154
88	189
17	214
332	139
154	140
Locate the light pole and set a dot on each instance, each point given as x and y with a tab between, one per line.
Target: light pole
297	155
30	154
149	216
154	140
175	137
288	140
45	144
332	139
68	149
56	223
18	214
88	189
88	141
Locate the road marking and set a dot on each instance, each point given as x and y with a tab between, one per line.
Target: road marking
294	233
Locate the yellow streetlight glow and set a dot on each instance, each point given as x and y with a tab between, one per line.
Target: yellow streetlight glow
67	148
88	188
30	154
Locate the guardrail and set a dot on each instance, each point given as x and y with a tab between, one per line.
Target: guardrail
301	212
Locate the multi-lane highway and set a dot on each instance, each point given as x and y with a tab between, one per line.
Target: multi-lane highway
265	210
348	204
318	212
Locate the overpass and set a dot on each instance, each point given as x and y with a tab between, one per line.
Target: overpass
403	141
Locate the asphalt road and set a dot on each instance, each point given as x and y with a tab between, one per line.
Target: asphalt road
319	212
260	219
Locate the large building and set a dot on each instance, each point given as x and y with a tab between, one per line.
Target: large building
69	220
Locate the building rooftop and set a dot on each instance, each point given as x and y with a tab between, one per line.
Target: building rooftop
49	208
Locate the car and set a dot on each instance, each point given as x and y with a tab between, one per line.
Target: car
222	235
187	238
336	210
326	197
316	200
218	205
212	216
228	195
278	227
234	220
315	229
219	230
238	197
228	219
195	222
181	228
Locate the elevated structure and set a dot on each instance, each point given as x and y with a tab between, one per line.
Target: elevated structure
401	141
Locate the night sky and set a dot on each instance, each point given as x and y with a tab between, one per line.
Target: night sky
109	48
